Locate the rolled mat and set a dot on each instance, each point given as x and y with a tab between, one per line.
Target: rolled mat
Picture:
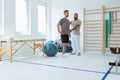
110	22
107	33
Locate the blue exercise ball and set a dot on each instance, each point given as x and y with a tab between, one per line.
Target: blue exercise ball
50	49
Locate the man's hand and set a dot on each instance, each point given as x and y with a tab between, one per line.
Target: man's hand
61	33
70	30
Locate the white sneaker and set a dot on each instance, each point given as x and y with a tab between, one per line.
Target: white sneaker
63	54
78	54
73	53
66	54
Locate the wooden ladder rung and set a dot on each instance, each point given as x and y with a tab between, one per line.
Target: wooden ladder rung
92	10
92	49
111	43
93	13
115	32
94	30
116	26
114	45
93	21
92	42
114	36
92	46
93	24
118	22
112	8
89	32
92	36
92	27
114	41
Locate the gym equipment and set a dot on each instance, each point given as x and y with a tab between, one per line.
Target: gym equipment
115	16
50	49
115	51
60	47
107	33
94	30
96	36
110	22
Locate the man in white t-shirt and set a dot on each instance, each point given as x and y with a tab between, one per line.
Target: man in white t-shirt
75	34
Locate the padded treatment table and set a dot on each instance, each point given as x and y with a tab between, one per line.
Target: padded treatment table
14	45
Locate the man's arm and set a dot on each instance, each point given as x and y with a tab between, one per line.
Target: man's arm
75	27
58	28
79	24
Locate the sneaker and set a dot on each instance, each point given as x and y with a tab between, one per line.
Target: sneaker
73	54
63	54
78	54
66	54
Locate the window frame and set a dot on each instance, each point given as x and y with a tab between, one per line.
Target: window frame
43	4
27	18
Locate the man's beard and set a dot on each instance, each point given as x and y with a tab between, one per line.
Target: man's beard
67	16
75	18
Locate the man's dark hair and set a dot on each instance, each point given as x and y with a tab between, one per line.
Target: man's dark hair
66	11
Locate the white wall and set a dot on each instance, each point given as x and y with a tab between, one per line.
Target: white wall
0	15
10	16
58	6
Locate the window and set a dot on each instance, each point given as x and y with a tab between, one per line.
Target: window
41	19
1	17
21	16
